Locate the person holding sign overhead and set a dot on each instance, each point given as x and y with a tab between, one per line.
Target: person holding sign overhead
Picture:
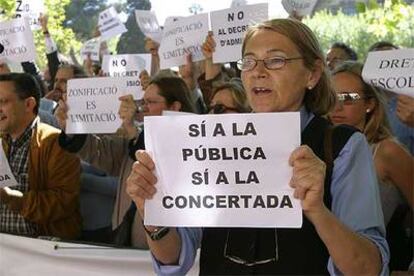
343	231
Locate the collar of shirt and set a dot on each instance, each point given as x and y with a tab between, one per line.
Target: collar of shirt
26	135
305	117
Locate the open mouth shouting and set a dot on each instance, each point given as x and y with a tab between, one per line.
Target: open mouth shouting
2	117
261	91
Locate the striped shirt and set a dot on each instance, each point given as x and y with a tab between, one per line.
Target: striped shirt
10	221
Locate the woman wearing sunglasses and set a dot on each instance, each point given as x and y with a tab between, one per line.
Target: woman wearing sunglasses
362	106
229	97
343	233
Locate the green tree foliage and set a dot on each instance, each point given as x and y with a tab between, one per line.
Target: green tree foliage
132	41
7	8
64	37
82	17
392	22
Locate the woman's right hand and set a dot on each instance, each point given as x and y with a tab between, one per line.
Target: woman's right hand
141	180
209	46
61	113
151	46
145	79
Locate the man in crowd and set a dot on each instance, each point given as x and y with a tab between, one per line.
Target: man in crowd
64	73
338	53
44	200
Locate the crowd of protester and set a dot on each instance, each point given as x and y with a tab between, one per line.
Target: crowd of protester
358	206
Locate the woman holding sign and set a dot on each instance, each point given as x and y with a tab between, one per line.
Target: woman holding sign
283	70
362	106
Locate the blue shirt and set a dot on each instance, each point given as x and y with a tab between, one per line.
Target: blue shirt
355	202
404	133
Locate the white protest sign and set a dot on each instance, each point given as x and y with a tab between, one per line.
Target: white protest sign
109	24
301	7
171	19
7	178
175	113
238	3
31	9
91	47
129	65
148	23
17	40
391	70
181	38
223	170
94	103
229	26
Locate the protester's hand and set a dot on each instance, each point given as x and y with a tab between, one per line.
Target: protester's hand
127	112
55	95
96	32
145	79
4	68
187	70
308	179
141	180
151	46
43	19
102	73
12	198
87	64
209	46
405	109
295	15
61	113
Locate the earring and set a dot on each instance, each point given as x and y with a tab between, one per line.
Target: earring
368	110
310	87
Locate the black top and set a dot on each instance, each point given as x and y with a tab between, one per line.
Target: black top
294	251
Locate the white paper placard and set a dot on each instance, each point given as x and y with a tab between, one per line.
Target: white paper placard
129	65
94	103
148	23
91	47
181	38
32	10
301	7
391	70
229	26
175	113
17	40
171	19
109	24
7	178
218	167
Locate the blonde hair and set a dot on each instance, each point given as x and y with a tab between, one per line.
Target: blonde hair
320	99
238	93
376	126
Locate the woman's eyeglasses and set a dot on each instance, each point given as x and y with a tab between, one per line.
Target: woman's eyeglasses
271	63
221	109
143	104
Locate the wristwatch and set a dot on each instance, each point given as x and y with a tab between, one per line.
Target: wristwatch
158	233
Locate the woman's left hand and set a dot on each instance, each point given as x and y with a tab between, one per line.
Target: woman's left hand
308	179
